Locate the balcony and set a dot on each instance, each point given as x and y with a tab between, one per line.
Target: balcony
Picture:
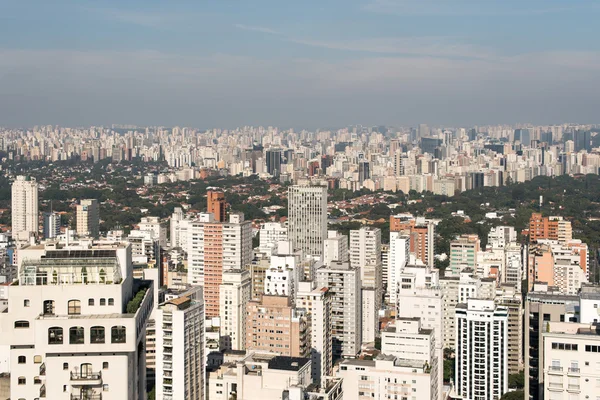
574	371
573	388
555	386
555	370
84	396
86	379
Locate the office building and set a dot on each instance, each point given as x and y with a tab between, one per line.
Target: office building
51	225
180	355
273	159
481	350
307	217
234	295
24	208
88	218
76	323
343	282
275	324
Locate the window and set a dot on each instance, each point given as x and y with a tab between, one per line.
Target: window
111	302
90	302
76	335
65	366
22	359
97	334
102	302
105	387
37	359
546	317
21	324
105	365
26	303
22	381
118	334
55	335
74	307
48	306
86	370
37	380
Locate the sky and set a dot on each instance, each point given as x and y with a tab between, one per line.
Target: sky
301	64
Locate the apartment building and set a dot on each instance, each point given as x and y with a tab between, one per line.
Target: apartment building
307	217
24	208
88	218
234	295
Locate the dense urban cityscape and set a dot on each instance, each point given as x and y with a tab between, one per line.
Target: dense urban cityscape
375	262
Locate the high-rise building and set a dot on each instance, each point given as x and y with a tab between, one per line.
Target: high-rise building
463	254
511	299
215	204
335	247
275	324
24	208
180	358
481	350
318	303
155	227
273	157
214	247
365	255
553	228
364	172
307	220
343	281
234	296
270	234
51	225
76	323
397	260
88	218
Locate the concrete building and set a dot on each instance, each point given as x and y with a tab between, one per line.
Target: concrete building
51	225
463	253
270	234
24	208
157	229
76	323
397	259
216	205
88	218
335	247
214	247
481	351
275	324
511	299
307	219
371	302
178	228
343	282
387	377
318	303
180	354
553	228
234	295
365	255
543	305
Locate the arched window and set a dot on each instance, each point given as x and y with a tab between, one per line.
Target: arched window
117	334
22	381
55	335
48	306
37	359
74	307
21	324
111	302
22	359
76	335
97	334
102	302
86	370
90	302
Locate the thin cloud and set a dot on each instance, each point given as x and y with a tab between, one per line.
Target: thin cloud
260	29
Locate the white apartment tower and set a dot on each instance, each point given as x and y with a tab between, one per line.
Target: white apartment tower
88	218
365	255
397	259
76	323
343	282
481	350
180	359
318	303
235	293
307	219
335	247
24	208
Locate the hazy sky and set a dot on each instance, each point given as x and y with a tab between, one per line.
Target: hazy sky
292	63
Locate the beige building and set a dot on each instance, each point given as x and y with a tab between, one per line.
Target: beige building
88	218
274	324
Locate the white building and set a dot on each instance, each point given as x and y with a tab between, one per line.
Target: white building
88	218
335	247
76	323
481	350
365	254
144	248
318	303
179	225
371	301
387	377
24	208
270	234
51	225
153	225
235	293
397	260
501	236
307	217
343	282
285	271
180	358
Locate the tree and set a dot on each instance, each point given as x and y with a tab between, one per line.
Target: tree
516	395
516	381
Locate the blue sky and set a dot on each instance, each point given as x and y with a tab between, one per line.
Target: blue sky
298	64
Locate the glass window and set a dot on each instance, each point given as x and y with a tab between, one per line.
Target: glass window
22	380
97	334
21	324
74	307
65	366
26	303
102	302
76	335
37	359
111	302
105	365
48	306
90	302
55	335
118	334
22	359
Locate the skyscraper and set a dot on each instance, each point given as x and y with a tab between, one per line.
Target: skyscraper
274	161
235	294
308	217
215	204
24	208
51	225
88	218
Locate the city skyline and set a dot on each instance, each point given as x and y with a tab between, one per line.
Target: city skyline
379	62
